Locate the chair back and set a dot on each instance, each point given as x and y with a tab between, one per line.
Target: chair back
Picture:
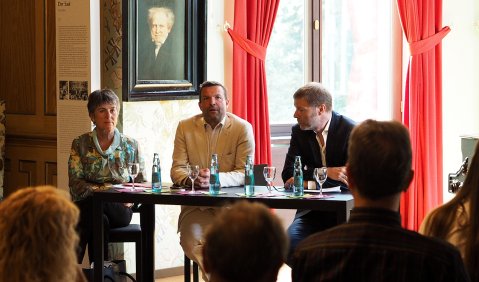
258	175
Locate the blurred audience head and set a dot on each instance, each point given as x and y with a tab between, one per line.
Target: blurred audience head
460	218
470	188
246	242
38	236
379	159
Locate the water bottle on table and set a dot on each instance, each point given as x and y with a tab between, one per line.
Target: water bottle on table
249	177
156	174
298	189
214	175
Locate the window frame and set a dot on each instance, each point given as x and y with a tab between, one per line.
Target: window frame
313	55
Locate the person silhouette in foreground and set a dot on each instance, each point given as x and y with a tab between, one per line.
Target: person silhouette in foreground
372	245
245	242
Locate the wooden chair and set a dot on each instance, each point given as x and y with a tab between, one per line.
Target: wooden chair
258	175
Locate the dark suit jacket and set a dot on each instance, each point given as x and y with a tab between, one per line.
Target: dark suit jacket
164	66
304	143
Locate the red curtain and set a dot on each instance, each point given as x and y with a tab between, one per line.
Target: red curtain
253	24
422	24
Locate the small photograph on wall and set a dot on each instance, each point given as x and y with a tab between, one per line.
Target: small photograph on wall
63	90
78	90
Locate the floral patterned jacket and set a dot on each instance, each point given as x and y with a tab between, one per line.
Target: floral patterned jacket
88	169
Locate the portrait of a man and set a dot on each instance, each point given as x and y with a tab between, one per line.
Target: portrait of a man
161	53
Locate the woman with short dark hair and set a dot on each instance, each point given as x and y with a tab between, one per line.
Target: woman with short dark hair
98	159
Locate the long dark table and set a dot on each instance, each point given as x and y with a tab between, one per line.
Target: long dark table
341	203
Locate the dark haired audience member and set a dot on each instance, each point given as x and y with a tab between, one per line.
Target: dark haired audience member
98	159
373	246
38	238
456	221
245	242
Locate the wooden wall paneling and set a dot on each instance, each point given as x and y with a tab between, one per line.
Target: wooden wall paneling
8	168
28	76
50	58
51	173
26	64
28	169
18	63
30	162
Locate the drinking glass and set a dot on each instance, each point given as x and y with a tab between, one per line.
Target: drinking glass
193	171
269	173
321	174
133	170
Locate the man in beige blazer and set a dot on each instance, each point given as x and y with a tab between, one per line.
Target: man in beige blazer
214	131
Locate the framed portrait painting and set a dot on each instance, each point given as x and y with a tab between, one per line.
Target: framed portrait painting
164	49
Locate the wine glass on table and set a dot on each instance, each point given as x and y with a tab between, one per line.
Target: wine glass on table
193	171
321	174
133	170
269	173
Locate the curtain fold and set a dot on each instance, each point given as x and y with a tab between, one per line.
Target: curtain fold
421	22
253	24
249	46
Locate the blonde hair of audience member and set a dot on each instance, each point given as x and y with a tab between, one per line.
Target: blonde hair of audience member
452	219
379	163
38	236
246	242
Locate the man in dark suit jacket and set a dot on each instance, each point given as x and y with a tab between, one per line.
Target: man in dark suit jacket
321	139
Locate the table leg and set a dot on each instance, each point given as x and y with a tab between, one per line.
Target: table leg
98	239
342	214
147	221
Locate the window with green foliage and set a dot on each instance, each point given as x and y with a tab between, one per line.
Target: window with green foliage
285	60
352	58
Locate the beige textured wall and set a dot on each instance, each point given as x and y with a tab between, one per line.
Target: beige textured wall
154	124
